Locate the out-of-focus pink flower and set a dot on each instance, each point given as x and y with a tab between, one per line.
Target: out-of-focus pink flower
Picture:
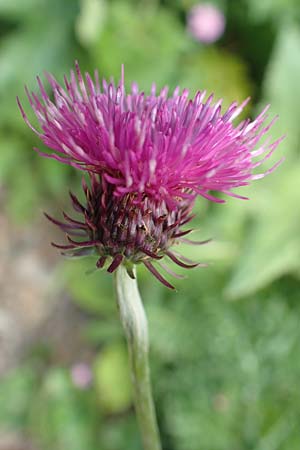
206	22
81	375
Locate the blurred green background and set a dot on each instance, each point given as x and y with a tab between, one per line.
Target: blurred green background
225	347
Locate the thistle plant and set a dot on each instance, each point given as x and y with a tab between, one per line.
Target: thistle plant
146	159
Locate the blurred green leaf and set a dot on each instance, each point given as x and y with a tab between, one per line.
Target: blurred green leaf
103	331
147	40
9	154
188	4
122	434
59	417
272	247
46	48
234	363
201	71
281	87
91	291
273	9
16	9
113	379
16	392
90	21
54	177
23	194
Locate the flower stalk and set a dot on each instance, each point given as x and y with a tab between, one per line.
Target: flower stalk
134	322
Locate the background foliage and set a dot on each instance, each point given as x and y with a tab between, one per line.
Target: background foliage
225	347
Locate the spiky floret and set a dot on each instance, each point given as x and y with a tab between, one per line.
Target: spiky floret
148	158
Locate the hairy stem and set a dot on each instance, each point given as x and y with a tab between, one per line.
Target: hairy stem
134	322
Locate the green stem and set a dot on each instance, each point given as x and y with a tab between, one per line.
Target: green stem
134	322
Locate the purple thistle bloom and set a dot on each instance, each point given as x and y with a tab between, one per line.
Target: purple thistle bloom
148	158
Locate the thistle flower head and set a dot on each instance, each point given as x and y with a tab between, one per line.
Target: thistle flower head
148	157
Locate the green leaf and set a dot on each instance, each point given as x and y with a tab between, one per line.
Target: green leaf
113	379
11	151
91	291
90	21
103	331
16	9
281	87
22	59
147	40
201	71
53	177
16	391
273	9
234	365
272	247
23	194
60	418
